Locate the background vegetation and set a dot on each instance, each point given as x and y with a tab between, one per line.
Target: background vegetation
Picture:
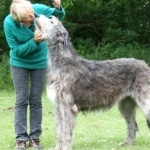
100	29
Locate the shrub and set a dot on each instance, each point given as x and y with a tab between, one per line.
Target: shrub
5	76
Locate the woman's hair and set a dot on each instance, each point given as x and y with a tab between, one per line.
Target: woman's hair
19	9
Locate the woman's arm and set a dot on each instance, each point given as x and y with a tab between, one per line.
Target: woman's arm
19	49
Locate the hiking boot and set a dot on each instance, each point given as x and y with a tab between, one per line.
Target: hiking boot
20	145
35	144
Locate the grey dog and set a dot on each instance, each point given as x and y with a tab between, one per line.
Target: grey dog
75	84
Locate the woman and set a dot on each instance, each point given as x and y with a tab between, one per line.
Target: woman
28	62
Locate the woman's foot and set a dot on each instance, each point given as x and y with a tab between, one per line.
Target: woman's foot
20	145
35	144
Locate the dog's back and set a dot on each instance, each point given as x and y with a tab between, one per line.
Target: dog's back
102	83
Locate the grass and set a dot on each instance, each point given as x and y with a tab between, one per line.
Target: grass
93	131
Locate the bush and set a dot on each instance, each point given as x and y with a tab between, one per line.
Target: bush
103	51
5	76
87	49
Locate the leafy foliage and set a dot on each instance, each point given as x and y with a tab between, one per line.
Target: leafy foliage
5	77
100	29
103	51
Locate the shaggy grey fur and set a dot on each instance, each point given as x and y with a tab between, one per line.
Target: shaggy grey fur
76	84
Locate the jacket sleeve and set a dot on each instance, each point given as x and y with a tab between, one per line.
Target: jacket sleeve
48	11
59	13
18	49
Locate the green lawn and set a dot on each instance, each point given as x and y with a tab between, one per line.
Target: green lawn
93	131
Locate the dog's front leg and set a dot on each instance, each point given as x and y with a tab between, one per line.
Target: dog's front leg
59	126
65	122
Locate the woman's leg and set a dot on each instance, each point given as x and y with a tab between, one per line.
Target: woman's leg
20	80
37	79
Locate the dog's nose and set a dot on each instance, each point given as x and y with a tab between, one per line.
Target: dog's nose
36	16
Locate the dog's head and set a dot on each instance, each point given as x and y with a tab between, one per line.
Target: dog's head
50	28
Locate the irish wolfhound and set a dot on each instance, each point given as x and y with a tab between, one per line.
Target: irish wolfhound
76	84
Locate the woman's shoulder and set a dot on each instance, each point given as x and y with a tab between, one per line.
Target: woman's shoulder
9	20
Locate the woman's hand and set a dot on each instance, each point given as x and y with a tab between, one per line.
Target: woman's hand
38	38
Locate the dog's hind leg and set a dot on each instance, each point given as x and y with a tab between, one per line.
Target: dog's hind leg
127	108
144	104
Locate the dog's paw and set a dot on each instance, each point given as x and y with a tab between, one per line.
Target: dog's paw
51	149
122	144
55	148
125	143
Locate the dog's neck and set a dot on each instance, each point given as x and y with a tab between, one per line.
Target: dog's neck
61	51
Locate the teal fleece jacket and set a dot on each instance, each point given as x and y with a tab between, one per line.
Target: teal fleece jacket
24	51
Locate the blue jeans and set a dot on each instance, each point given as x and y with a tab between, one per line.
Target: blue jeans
29	84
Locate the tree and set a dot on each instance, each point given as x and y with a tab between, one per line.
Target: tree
4	9
105	21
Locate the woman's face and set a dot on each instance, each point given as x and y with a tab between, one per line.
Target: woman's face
28	19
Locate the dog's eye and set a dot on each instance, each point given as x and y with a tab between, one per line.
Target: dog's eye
51	21
38	24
